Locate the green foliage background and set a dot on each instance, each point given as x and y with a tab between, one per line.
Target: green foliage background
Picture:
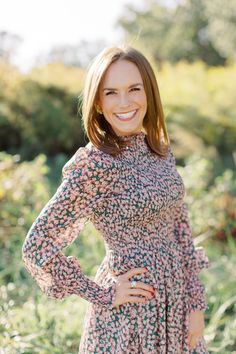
41	128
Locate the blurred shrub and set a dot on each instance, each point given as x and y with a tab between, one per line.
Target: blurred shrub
36	324
68	78
23	192
199	103
39	111
38	117
211	200
219	279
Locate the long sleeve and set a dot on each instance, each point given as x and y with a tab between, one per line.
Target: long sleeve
58	225
195	258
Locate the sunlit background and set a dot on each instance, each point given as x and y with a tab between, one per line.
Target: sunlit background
37	30
45	49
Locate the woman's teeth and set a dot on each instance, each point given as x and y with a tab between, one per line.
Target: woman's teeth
126	116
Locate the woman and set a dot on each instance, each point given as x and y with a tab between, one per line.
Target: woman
146	296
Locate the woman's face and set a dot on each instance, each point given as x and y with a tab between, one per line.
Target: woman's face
122	98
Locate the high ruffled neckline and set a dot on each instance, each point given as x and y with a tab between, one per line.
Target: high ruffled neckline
137	142
134	138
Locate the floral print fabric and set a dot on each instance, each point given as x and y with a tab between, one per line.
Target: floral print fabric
136	201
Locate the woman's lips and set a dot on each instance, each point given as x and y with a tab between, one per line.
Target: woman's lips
126	116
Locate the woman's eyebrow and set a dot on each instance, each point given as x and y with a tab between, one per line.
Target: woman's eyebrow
133	85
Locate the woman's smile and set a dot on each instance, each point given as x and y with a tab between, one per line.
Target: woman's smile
126	116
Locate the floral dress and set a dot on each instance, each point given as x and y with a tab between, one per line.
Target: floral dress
136	201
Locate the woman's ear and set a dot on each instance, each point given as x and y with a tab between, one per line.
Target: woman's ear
98	108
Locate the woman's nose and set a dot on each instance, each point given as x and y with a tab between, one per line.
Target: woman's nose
124	100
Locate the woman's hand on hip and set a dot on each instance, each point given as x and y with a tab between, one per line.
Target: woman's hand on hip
125	293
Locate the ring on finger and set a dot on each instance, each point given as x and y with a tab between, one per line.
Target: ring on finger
133	284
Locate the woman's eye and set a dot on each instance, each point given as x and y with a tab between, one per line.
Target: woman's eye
133	89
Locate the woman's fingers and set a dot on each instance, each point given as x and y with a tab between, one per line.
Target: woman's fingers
192	341
124	291
130	273
136	299
141	285
140	291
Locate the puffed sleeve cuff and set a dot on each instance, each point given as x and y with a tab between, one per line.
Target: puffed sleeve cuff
108	297
197	294
104	296
196	289
93	292
201	259
62	277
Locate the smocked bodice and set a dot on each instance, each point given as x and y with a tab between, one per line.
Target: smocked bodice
141	196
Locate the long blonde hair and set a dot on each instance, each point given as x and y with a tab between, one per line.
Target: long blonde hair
98	130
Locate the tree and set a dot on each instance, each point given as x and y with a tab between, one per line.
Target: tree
78	55
189	31
221	27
